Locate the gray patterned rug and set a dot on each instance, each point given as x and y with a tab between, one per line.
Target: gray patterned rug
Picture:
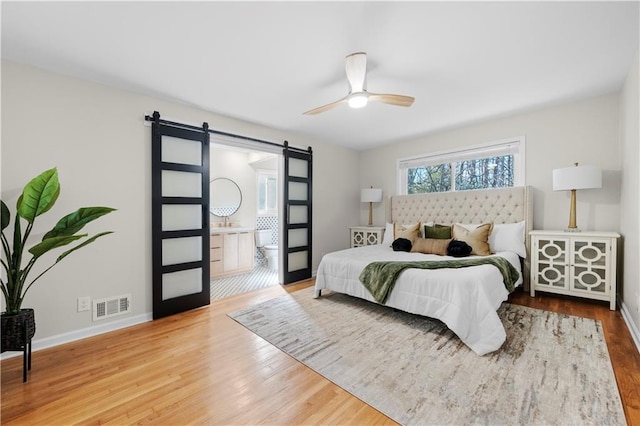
553	369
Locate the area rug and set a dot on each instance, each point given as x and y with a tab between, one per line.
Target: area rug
552	369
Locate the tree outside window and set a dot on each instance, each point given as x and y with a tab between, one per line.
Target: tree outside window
429	179
482	173
494	172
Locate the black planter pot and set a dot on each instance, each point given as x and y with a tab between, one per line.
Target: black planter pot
16	335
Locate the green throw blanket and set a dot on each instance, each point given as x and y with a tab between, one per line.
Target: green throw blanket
380	277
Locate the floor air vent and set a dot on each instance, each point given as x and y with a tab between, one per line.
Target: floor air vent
112	306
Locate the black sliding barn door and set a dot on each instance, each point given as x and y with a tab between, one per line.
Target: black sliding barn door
180	218
297	214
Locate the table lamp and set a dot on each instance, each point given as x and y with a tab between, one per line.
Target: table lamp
573	178
371	195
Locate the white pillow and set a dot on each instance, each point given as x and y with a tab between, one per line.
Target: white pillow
505	237
387	238
508	237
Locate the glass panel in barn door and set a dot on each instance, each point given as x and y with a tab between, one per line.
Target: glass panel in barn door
297	208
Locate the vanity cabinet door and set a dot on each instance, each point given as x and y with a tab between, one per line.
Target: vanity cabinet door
231	253
215	255
217	266
246	250
230	258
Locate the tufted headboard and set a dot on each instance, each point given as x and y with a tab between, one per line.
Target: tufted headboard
499	205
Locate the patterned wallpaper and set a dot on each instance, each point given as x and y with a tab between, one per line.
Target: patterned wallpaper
266	222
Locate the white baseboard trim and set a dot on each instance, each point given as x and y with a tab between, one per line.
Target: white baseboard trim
626	315
72	336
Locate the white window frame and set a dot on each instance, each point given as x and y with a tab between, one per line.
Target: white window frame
267	173
515	146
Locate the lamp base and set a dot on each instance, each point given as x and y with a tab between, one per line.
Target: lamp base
572	214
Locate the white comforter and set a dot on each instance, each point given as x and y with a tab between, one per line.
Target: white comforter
465	299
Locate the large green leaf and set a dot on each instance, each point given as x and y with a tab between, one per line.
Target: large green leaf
16	257
51	243
84	243
5	215
72	223
39	195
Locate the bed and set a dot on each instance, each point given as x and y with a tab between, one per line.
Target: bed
465	299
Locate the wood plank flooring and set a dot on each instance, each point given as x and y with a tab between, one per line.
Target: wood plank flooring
202	367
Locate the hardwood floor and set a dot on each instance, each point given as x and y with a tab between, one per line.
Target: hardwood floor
195	367
203	367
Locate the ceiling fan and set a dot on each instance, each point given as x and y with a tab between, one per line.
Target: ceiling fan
358	97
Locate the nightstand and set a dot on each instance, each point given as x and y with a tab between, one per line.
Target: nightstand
366	235
575	263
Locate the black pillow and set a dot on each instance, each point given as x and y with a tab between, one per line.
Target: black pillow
458	248
401	244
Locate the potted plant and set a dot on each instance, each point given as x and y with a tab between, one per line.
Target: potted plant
37	198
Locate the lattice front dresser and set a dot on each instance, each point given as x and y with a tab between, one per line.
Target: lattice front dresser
366	235
578	264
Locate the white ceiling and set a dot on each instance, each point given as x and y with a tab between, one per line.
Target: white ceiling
267	62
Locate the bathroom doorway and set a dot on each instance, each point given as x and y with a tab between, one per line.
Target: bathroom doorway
256	173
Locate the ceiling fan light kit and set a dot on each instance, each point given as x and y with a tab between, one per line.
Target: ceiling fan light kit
358	100
358	97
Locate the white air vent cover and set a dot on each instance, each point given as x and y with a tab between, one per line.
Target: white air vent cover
112	306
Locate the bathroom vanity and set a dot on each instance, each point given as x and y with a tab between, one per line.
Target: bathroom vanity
232	251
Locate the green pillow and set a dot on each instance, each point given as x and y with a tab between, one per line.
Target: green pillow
439	232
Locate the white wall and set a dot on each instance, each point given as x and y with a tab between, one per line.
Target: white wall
234	165
584	132
95	136
630	193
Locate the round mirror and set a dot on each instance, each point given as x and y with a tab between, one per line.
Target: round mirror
224	197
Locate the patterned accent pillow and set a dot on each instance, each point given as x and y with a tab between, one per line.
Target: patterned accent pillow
478	238
430	246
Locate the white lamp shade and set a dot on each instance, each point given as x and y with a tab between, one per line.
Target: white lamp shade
577	177
371	195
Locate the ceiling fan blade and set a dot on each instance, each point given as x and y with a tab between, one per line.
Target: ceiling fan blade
356	69
326	107
398	100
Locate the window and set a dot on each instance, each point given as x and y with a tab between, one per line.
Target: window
496	165
429	179
267	192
